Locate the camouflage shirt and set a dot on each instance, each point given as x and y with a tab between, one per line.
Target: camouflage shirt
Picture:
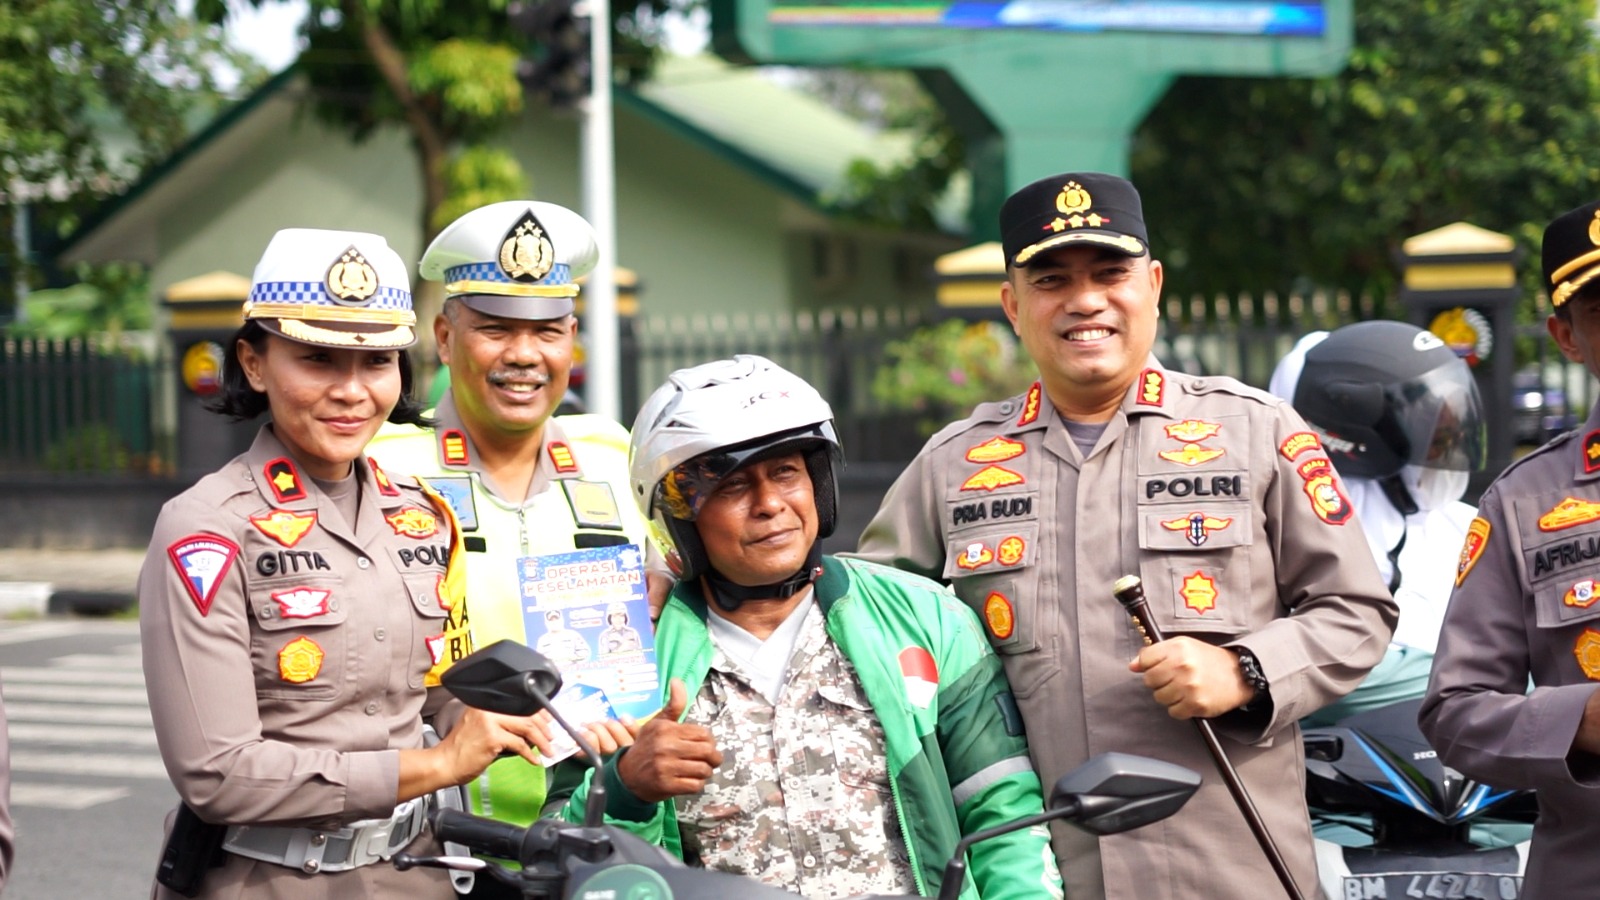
802	799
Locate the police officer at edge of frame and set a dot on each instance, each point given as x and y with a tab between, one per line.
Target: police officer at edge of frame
286	618
1524	608
1217	495
523	481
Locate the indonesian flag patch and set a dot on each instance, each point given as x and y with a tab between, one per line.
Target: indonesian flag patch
202	560
921	676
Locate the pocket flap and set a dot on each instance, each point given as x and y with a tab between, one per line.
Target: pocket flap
1561	602
1182	529
995	548
426	591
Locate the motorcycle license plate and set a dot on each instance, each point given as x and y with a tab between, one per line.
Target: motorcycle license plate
1432	886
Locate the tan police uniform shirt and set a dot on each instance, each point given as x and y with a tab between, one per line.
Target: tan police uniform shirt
1223	502
284	656
1527	582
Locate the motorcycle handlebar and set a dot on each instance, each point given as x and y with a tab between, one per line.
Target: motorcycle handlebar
486	836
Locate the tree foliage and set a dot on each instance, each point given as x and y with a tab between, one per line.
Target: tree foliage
1476	110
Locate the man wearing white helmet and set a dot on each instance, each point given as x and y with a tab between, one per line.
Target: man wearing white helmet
523	482
1400	417
866	724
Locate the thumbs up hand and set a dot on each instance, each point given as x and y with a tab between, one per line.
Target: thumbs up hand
669	758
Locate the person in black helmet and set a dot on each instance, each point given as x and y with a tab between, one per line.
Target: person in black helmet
1400	416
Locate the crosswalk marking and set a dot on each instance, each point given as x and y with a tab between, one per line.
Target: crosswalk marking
48	675
68	693
76	714
63	796
121	765
105	735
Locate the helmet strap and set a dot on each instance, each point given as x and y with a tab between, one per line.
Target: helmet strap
729	596
1395	489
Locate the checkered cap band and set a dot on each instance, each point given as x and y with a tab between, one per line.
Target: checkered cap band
559	273
315	293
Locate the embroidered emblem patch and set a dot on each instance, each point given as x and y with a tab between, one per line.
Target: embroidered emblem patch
998	614
561	456
1587	650
1192	431
453	447
1191	455
1010	551
284	479
1030	406
1152	387
921	676
385	486
991	477
995	449
1197	525
1472	548
1568	513
975	556
1582	595
1298	443
283	526
435	644
413	522
1327	496
1199	593
300	660
1591	452
202	560
302	602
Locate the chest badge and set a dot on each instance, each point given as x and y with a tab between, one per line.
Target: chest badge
991	477
592	504
976	556
1472	548
283	526
996	449
1197	525
1191	455
1581	595
413	522
998	615
1192	431
1587	650
1199	592
1569	513
300	660
302	602
921	676
1010	551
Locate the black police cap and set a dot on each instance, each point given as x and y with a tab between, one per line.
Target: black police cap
1089	208
1571	252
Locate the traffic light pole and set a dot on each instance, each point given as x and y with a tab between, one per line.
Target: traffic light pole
603	381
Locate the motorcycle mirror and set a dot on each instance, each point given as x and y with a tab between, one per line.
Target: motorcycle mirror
1111	792
1116	792
498	678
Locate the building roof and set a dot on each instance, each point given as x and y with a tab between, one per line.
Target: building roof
791	140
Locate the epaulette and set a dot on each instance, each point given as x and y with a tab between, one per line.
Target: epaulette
988	413
1549	446
593	428
1224	384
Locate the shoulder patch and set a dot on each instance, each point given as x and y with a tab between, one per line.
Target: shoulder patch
1298	443
202	561
1472	548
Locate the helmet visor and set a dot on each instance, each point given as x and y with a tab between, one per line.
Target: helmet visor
1440	419
683	491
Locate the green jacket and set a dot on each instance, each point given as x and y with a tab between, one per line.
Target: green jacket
957	765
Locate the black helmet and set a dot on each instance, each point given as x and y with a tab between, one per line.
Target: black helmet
1386	395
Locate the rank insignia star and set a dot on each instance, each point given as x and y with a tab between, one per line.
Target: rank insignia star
1591	452
284	480
381	478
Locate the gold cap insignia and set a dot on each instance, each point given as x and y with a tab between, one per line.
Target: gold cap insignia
351	280
526	254
1594	229
1073	199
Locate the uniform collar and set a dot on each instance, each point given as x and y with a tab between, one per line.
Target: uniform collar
455	450
832	584
276	475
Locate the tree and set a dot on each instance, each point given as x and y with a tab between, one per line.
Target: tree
91	91
1479	110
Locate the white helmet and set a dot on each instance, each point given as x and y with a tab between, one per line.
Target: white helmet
707	421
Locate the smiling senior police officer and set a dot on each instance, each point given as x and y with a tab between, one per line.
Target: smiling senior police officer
288	616
1524	607
523	481
1217	495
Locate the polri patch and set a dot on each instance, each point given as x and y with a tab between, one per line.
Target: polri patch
1198	526
302	602
1030	405
1298	443
300	660
283	526
561	458
202	560
1581	595
1569	513
284	479
1192	431
1587	650
1152	388
413	522
1325	492
1199	592
592	504
999	616
1010	550
996	449
1472	548
453	447
1191	455
991	477
381	478
457	491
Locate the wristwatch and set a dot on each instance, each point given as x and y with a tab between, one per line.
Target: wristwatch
1253	676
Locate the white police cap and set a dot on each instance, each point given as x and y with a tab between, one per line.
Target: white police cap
517	259
333	289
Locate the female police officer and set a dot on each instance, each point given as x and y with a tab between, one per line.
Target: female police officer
293	603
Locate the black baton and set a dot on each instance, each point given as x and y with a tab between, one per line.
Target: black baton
1129	591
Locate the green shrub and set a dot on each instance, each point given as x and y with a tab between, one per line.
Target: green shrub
945	370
